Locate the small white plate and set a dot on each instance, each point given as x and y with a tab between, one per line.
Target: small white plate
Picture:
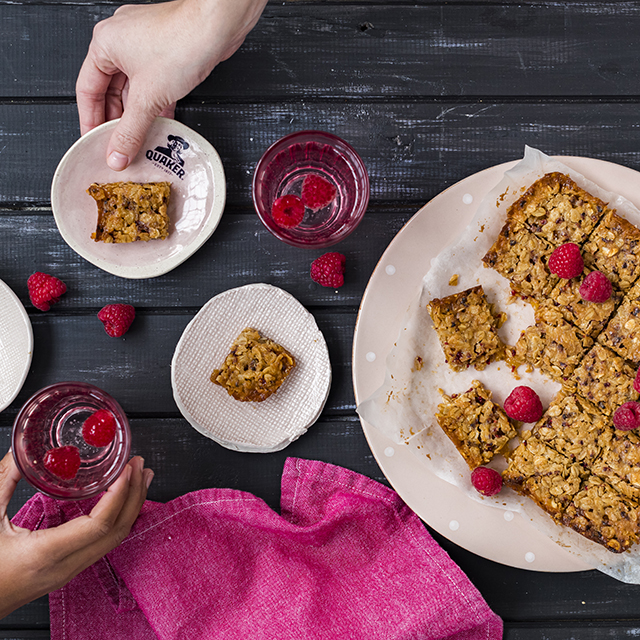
171	153
16	345
257	427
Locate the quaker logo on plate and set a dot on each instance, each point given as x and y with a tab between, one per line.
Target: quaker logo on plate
169	158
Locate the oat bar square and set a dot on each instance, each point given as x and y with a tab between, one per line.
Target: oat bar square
557	209
614	249
619	464
601	514
555	349
521	257
467	326
544	475
128	211
622	334
605	379
478	427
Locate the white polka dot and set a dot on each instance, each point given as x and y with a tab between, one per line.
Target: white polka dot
467	198
529	556
389	451
370	356
390	269
508	516
454	525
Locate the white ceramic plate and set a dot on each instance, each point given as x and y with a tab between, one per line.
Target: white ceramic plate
16	345
171	152
492	533
257	427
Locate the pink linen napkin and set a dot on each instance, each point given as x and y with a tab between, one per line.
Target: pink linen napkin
345	559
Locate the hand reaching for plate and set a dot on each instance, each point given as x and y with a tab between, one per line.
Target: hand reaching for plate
144	58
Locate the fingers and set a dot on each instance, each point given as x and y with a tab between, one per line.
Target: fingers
91	88
9	477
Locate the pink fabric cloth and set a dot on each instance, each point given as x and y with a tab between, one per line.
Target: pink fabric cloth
346	559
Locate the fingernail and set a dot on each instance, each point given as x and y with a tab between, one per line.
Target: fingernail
117	161
149	477
140	463
128	472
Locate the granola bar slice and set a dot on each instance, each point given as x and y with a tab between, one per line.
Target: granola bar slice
603	515
549	478
467	326
478	427
521	257
614	249
255	368
574	427
556	349
622	334
129	211
605	379
558	210
619	464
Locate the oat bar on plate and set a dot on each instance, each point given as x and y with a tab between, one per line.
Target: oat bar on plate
619	464
478	427
467	326
622	334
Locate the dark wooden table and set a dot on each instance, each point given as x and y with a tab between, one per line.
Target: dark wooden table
428	92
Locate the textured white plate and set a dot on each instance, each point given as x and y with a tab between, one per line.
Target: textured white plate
258	427
492	533
197	200
16	345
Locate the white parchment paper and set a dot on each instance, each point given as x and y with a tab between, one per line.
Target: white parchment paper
404	407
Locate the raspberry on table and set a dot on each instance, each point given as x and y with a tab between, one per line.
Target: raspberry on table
523	404
596	287
627	416
566	261
486	481
317	192
328	270
117	318
288	211
63	462
99	428
44	290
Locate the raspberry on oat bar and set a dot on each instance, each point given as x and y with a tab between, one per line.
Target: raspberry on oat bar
255	368
478	427
556	349
521	257
467	326
605	379
557	209
614	249
128	211
603	515
574	427
549	478
622	334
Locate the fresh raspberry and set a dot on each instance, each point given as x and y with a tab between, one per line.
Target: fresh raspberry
288	211
99	428
328	270
524	405
63	462
44	290
627	416
317	192
636	382
566	261
596	287
117	318
486	481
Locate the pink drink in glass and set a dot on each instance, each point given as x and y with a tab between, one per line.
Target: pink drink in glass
282	170
53	417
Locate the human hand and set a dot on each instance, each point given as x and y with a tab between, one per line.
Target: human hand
33	563
144	58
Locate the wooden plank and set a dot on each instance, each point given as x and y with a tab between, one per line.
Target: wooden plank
341	50
412	151
136	368
219	265
609	630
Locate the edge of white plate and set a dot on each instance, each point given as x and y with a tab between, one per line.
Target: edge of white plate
158	269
